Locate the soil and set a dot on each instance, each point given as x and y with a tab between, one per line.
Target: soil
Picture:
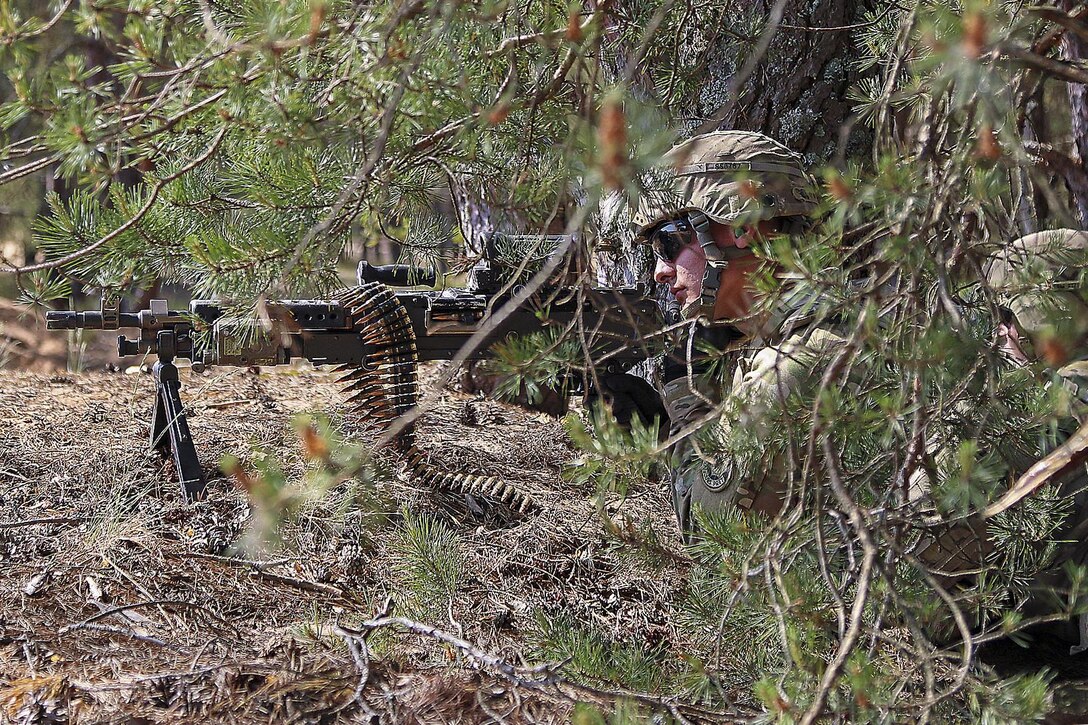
124	603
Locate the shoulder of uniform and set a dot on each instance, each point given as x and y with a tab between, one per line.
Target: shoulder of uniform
1049	247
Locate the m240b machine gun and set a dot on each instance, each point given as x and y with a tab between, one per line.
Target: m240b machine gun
375	335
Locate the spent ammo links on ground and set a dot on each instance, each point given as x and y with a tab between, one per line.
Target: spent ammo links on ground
376	336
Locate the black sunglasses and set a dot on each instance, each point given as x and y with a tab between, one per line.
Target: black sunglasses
668	238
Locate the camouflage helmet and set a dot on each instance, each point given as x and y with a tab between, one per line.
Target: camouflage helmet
1038	278
730	176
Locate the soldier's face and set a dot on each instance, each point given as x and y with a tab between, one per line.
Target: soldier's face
684	274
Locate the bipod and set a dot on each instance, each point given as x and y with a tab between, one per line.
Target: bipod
169	428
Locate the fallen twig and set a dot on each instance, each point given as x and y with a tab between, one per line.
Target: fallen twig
155	603
543	677
41	522
115	630
235	561
260	568
225	403
360	653
519	676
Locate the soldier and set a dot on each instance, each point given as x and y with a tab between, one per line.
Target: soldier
1038	281
724	191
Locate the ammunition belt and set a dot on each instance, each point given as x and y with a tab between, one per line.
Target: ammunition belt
386	386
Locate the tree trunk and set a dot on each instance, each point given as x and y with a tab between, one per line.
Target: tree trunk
795	91
1073	48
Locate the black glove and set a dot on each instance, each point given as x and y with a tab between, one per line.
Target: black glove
628	395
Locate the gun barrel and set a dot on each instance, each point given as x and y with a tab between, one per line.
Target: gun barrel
89	320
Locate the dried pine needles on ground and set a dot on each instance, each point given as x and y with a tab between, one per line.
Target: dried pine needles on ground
121	600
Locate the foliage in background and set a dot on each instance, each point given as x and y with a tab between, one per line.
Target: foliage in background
263	134
6	346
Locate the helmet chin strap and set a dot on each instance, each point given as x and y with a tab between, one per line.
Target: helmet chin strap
717	261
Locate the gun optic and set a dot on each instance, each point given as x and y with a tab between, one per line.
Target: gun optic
396	275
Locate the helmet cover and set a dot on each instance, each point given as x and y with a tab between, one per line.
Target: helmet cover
1038	278
733	177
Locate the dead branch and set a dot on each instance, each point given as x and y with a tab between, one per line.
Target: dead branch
543	677
147	639
136	605
1053	68
1066	457
260	569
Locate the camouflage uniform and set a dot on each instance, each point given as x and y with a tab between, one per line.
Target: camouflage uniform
740	177
735	470
1038	279
728	460
733	178
791	358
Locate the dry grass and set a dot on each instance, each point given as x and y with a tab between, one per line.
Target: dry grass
124	601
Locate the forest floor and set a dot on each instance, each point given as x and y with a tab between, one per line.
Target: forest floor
381	600
124	603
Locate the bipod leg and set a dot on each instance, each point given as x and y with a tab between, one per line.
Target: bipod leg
170	430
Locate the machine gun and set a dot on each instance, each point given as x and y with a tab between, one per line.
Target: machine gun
376	336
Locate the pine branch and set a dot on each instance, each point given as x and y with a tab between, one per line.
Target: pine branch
152	197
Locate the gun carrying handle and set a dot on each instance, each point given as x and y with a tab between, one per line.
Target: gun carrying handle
396	275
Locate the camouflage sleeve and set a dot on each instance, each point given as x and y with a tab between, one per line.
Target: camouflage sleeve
779	371
732	463
1074	377
686	407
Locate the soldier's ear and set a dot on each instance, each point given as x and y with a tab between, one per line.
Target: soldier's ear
1006	324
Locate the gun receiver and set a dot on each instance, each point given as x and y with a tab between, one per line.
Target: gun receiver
373	333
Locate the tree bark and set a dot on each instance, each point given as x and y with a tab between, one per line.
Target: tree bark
1073	48
795	91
